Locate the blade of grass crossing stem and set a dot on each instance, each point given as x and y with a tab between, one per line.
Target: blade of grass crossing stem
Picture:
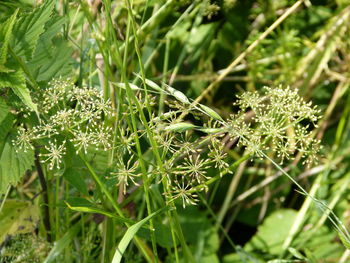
95	210
129	235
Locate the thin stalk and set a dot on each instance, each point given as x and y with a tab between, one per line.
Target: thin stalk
115	206
46	216
132	99
153	143
57	211
165	70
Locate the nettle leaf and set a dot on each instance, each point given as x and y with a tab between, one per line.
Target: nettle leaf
4	110
5	127
29	27
5	36
17	217
17	82
53	54
13	164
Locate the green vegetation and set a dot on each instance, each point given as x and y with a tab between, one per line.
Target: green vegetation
174	131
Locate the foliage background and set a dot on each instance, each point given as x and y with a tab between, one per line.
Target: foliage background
254	214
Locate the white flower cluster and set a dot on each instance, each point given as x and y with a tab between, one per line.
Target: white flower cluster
277	120
79	116
275	124
68	113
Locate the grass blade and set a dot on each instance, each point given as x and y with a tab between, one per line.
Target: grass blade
129	235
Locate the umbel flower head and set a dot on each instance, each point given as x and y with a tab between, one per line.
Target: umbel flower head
69	114
276	123
277	120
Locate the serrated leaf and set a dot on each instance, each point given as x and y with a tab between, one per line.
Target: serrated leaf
53	54
5	36
29	27
17	217
17	82
13	164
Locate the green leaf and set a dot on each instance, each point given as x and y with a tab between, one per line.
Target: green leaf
344	240
4	110
29	27
17	217
296	253
5	127
83	205
162	233
13	165
53	54
211	112
76	179
272	232
130	233
5	36
17	82
180	127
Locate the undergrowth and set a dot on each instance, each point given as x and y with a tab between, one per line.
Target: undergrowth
174	131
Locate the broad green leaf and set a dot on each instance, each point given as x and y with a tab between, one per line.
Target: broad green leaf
5	36
4	110
17	217
162	234
130	233
75	178
61	244
29	27
5	127
272	232
13	164
17	82
53	54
